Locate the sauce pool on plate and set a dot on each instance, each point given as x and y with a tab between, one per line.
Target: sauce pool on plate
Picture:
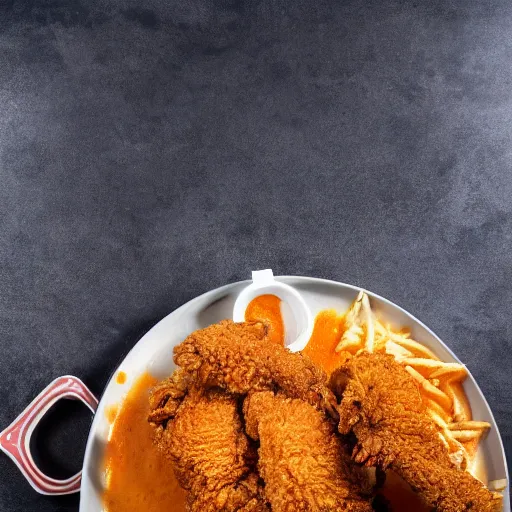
326	335
138	476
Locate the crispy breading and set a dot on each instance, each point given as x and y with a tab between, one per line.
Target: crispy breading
381	404
301	458
166	397
240	358
212	456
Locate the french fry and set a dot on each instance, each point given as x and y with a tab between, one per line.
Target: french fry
413	346
431	391
479	426
430	368
454	444
456	450
450	377
382	337
359	327
397	351
444	440
469	434
353	312
353	335
385	330
380	330
463	436
434	408
351	339
440	418
470	439
450	372
461	407
498	485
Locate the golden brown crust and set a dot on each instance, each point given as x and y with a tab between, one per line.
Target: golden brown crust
211	454
382	406
239	358
301	457
166	397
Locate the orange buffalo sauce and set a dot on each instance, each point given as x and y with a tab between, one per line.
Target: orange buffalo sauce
326	335
267	309
138	476
111	413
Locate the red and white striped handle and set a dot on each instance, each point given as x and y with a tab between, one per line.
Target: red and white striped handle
15	439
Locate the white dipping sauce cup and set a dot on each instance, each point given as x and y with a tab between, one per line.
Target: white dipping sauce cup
297	317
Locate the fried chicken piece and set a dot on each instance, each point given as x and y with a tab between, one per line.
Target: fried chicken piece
238	357
203	436
166	397
301	457
383	407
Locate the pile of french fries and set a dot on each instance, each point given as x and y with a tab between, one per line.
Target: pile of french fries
440	383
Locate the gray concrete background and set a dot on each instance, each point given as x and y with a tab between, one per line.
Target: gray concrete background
152	150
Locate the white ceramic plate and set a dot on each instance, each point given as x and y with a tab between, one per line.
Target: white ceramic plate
153	353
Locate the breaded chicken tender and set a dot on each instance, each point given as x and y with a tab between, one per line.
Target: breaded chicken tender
301	458
212	456
382	406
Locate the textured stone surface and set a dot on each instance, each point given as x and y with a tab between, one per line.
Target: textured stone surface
152	150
